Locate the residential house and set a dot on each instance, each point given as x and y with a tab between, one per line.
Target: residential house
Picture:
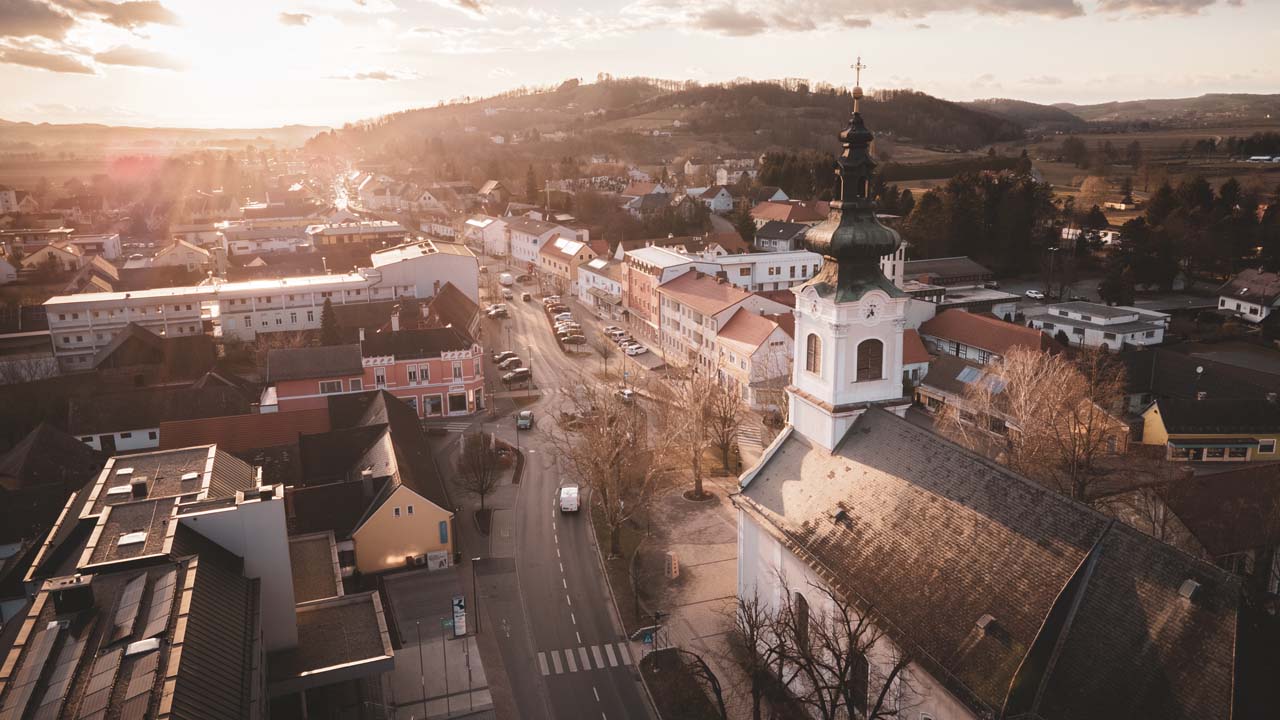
695	167
640	189
436	371
62	256
981	338
648	206
767	193
205	235
526	236
915	357
791	211
779	236
8	200
558	261
600	287
140	357
1158	373
643	271
30	239
1251	295
488	234
753	356
105	244
425	267
1092	325
183	254
374	233
1208	429
129	420
252	238
693	307
79	209
494	196
718	199
8	272
450	307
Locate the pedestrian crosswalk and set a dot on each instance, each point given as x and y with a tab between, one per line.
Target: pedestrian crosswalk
460	426
586	657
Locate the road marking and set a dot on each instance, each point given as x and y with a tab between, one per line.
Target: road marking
556	538
625	653
568	659
553	523
582	652
561	567
568	600
596	692
557	552
542	660
574	618
595	652
565	583
613	661
555	660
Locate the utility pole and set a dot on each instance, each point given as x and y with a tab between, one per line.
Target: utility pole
422	673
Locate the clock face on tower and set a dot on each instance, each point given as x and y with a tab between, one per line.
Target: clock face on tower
871	310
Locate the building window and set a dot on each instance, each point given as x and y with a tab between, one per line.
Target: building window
293	317
248	322
432	405
457	371
413	375
357	384
1266	447
328	387
444	532
457	403
311	316
380	377
870	360
813	354
1108	336
409	509
802	620
125	435
744	271
395	512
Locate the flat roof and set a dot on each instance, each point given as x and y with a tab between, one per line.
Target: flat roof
338	638
316	574
213	289
659	256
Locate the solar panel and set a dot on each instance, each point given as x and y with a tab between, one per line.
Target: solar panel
56	687
161	604
25	684
968	375
142	680
101	679
127	610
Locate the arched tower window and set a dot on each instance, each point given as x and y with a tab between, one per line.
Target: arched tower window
870	360
813	354
801	607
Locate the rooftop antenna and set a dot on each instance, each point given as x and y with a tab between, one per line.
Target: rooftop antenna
858	67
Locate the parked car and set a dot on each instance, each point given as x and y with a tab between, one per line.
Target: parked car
568	498
562	316
518	375
635	350
510	363
499	357
551	300
506	279
568	325
484	269
1034	294
575	340
526	297
524	420
524	278
626	395
610	329
991	285
507	294
623	340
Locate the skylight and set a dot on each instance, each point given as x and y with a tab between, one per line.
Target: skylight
132	538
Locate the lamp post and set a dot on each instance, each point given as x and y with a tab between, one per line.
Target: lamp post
422	673
475	594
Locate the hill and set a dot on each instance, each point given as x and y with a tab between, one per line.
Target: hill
1214	107
650	121
94	137
1029	115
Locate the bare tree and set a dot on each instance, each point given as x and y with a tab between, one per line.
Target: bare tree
691	426
613	451
26	369
1044	416
605	348
724	413
479	469
264	343
757	647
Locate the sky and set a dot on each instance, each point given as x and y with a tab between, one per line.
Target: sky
264	63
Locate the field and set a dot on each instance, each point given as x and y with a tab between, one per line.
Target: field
26	173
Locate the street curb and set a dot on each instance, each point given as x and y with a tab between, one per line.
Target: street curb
617	614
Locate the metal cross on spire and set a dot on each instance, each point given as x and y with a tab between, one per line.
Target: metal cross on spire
857	67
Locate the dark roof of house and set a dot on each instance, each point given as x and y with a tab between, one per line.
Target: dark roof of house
1013	596
410	442
652	202
38	476
371	316
940	271
1254	286
1163	373
1219	416
241	433
451	306
986	332
764	192
142	408
176	358
1230	511
323	361
417	344
335	506
780	230
332	456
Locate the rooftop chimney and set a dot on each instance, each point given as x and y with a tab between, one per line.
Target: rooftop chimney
395	320
71	594
138	486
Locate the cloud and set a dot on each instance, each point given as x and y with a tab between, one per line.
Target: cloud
289	18
500	73
128	15
729	20
137	57
986	81
922	26
28	18
474	8
379	75
37	58
1043	80
1159	7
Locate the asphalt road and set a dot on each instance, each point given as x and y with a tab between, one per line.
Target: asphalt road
580	657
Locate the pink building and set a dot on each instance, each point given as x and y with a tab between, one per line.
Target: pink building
437	371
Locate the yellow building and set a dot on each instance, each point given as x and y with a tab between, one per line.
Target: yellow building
1214	430
403	528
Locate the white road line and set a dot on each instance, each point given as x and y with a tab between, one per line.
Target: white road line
613	661
555	660
574	618
553	523
568	659
565	583
556	538
542	660
625	653
557	552
582	653
596	692
595	652
568	600
561	567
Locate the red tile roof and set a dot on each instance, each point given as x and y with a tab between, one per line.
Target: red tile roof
795	211
747	327
913	350
986	332
238	433
702	292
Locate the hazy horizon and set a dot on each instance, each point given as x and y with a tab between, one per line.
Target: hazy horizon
246	65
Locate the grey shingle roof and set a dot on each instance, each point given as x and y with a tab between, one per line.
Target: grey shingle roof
313	362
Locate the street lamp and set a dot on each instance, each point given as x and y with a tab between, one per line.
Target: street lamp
475	594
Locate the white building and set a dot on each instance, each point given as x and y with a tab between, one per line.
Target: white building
694	307
718	199
8	273
526	236
753	355
1092	325
1251	295
105	244
426	266
600	287
487	233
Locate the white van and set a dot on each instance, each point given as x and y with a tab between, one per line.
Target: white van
506	279
569	498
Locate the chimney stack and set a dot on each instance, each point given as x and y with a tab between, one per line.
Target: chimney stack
138	486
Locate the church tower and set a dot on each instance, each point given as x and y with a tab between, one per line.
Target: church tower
849	317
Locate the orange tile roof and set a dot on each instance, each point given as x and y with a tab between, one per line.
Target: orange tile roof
913	350
747	327
237	433
797	212
986	332
702	292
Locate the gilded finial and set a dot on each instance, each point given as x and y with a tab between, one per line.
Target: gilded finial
857	67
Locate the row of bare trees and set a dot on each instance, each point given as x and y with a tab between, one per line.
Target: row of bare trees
828	659
1051	418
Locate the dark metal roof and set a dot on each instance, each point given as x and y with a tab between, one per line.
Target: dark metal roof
1215	416
313	362
144	408
417	344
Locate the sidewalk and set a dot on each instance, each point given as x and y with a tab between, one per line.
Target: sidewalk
702	600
